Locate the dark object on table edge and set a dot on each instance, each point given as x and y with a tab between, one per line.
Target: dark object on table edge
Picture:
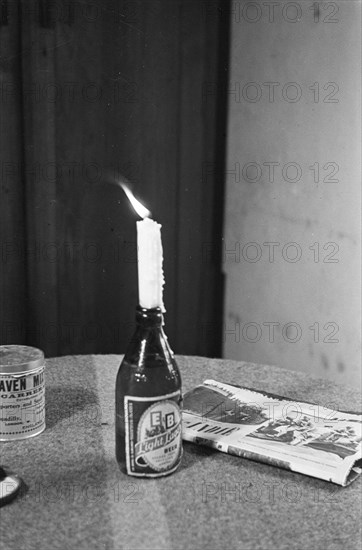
9	486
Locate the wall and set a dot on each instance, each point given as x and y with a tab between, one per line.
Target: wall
293	176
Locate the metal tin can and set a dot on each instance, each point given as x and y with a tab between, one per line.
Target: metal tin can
22	392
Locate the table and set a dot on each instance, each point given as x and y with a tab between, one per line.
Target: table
75	497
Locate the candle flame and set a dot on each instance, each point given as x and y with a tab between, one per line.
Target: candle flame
141	210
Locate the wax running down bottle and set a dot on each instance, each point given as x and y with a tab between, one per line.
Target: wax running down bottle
148	401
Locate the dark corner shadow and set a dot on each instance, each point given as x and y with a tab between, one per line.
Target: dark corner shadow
62	402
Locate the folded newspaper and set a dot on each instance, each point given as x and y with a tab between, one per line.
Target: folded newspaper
298	436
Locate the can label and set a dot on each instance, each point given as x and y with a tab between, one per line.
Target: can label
153	434
22	405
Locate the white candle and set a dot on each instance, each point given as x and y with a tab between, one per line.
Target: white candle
150	256
150	261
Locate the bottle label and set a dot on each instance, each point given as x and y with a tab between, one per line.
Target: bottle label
153	434
22	405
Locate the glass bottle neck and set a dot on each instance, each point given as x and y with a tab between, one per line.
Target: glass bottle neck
149	318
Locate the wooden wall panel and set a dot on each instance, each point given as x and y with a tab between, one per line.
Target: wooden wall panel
12	215
204	69
82	212
39	174
126	80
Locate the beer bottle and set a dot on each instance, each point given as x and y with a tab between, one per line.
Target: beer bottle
148	401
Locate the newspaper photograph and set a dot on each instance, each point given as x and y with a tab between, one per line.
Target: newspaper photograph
299	436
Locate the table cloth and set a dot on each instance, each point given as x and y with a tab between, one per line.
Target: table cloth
75	497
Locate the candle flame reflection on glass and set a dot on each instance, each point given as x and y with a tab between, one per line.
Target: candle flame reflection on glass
141	210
